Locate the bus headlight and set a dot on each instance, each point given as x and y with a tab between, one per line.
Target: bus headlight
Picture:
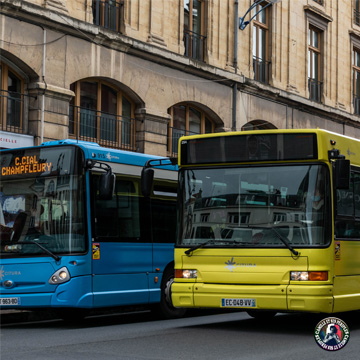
308	275
185	274
60	276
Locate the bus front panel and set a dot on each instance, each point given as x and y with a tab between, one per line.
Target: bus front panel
255	237
43	228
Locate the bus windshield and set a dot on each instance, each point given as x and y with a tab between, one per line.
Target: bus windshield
257	206
41	202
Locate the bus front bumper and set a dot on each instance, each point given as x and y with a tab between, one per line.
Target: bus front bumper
309	298
74	293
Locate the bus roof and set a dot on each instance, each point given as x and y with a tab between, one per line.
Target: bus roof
94	151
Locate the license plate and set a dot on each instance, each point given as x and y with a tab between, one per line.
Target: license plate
240	303
10	301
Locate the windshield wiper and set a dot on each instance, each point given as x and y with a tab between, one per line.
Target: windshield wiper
195	247
284	241
281	238
54	256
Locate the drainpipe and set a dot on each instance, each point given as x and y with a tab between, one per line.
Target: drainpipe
236	10
43	95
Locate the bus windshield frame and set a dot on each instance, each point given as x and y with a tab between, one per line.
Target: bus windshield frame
273	205
42	202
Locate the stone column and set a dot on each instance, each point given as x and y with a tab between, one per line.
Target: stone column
151	132
56	112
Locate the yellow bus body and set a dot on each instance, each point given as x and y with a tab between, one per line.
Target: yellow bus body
263	275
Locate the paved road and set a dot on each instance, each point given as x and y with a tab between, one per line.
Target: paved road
141	337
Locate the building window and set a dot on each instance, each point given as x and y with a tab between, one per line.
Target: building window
357	12
194	29
314	64
101	113
108	14
11	100
321	2
356	80
186	120
261	65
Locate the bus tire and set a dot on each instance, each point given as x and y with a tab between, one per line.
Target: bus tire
166	309
261	314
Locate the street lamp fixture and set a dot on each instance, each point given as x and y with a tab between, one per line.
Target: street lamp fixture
243	23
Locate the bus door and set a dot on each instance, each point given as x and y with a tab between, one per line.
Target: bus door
121	245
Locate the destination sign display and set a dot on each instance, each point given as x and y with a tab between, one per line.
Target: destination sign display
249	148
38	162
26	165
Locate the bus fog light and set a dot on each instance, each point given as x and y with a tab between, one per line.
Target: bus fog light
186	274
60	276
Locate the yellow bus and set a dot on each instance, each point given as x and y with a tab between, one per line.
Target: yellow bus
269	221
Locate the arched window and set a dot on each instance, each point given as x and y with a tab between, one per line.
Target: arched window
11	100
186	120
101	113
258	125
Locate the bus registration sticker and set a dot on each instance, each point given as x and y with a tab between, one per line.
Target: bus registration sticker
10	301
241	303
96	251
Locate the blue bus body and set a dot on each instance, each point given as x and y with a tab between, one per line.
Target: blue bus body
80	251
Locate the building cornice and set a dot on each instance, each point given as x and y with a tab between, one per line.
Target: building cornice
295	101
61	22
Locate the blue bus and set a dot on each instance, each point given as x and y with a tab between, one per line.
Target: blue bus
77	233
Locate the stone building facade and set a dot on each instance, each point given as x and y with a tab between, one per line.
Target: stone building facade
138	74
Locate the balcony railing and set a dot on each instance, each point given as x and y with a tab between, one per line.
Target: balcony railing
11	111
107	129
108	14
356	17
174	135
261	70
356	104
315	90
195	45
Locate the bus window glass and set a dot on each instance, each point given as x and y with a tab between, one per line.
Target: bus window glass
348	209
345	201
41	200
118	219
357	194
245	204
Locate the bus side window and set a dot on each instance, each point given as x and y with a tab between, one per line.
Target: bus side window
163	210
348	209
105	214
163	220
118	219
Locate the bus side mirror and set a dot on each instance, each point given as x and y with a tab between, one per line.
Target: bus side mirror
147	178
342	174
107	185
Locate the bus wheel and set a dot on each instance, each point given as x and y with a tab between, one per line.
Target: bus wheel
166	308
261	314
72	315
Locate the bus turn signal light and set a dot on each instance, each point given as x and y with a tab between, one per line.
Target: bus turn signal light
309	275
